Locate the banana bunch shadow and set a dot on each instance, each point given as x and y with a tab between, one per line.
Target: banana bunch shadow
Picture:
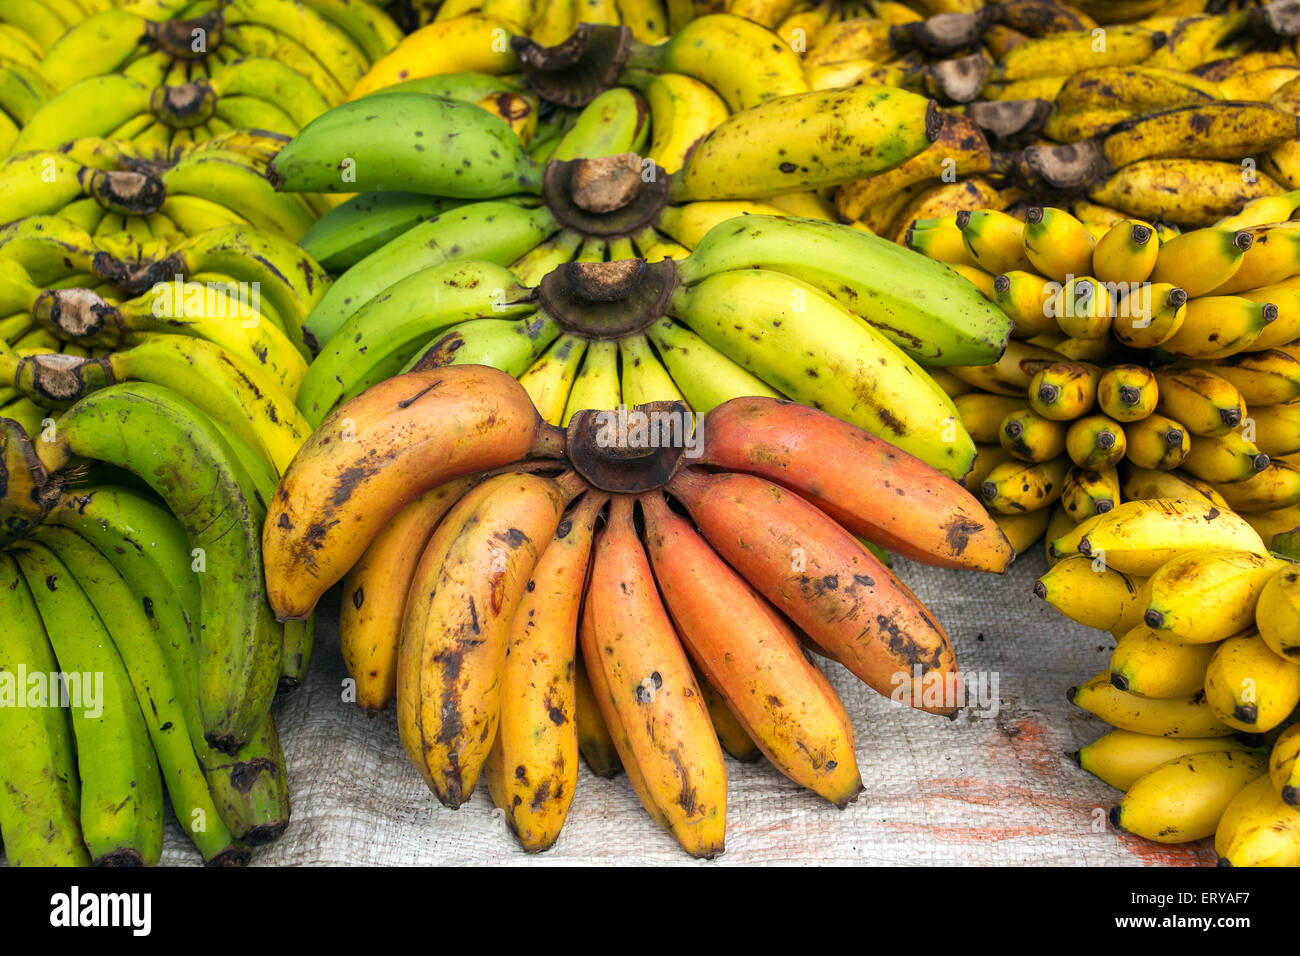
620	587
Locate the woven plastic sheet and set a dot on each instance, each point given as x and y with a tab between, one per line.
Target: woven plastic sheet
996	786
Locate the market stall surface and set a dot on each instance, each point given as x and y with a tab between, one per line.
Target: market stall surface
996	786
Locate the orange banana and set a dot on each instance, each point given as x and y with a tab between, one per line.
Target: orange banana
870	487
647	693
784	703
374	455
826	582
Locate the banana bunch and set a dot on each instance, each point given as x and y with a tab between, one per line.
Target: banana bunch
1140	366
478	561
1203	685
137	205
146	614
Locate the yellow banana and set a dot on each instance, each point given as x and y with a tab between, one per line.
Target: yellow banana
1137	537
1249	687
1181	717
1203	597
1183	800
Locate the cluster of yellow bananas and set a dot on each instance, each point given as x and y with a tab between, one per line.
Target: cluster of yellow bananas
165	74
1171	357
1204	681
1177	111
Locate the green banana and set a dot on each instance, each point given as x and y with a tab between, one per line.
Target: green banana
404	142
158	436
931	313
616	121
498	232
383	334
121	790
40	817
809	347
352	230
151	551
156	690
508	344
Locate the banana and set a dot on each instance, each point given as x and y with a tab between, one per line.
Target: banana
1083	309
706	377
1011	374
1203	131
1271	377
1276	487
375	592
351	231
1207	596
995	240
1275	613
549	380
825	461
1064	391
777	147
1016	487
745	63
456	626
488	231
199	310
1156	442
255	40
92	107
1150	315
1224	458
1191	192
943	243
474	42
155	689
368	26
597	384
1024	297
239	184
617	121
1272	257
1277	429
314	534
1128	393
764	532
511	345
647	693
1249	687
1127	253
683	110
383	335
1063	54
1184	799
149	548
1095	441
1099	597
814	747
1121	757
1282	766
1180	717
884	284
1138	537
1133	90
644	379
1030	437
40	814
959	149
300	23
121	791
238	642
536	746
730	310
234	393
1258	828
1058	246
1202	401
273	83
1217	326
1088	492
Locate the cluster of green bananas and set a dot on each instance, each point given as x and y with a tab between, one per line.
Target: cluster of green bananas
1203	684
1170	357
164	74
181	371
